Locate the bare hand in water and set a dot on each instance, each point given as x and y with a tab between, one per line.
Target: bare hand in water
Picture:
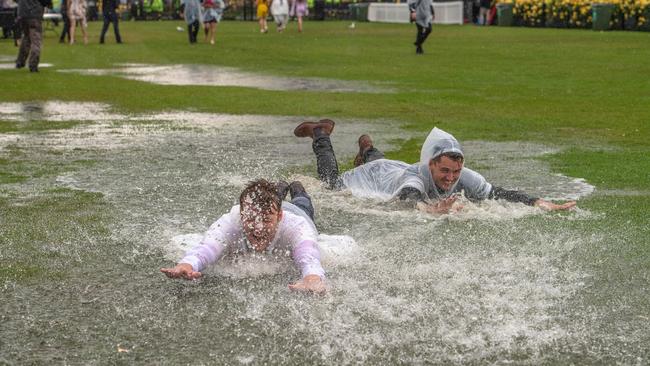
442	206
310	283
550	206
182	270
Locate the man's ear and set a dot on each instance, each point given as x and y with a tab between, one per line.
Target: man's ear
280	214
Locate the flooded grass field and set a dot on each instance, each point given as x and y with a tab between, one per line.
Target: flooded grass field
93	209
114	159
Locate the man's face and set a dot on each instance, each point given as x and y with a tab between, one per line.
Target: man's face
259	226
445	172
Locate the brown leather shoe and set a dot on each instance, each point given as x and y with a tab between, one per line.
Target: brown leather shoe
306	129
365	143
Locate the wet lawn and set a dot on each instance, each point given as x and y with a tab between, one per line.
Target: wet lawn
557	288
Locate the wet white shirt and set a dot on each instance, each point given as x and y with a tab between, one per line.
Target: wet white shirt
295	237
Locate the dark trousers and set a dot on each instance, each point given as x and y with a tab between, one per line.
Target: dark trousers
66	27
193	30
423	33
303	201
326	164
111	17
30	45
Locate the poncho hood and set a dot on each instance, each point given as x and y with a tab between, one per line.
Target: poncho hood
384	179
437	143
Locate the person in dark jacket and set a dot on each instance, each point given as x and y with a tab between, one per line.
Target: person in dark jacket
109	8
66	22
30	21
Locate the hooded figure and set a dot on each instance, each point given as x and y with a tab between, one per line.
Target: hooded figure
385	179
434	181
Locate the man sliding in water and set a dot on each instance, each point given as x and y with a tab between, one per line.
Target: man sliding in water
262	223
434	183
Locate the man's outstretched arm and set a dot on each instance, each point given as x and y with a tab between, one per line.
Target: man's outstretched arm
519	196
307	258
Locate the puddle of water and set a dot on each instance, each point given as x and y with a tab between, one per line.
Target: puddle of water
510	164
12	65
57	111
228	76
480	285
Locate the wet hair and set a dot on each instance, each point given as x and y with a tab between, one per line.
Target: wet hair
451	155
262	194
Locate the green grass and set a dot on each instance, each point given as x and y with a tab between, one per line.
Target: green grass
497	83
37	232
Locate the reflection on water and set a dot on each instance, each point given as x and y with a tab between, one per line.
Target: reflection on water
483	286
228	76
56	111
12	65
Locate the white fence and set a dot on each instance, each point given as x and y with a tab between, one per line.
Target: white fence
446	13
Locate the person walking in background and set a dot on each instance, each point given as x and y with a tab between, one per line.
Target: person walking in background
422	14
280	12
30	20
299	10
77	13
191	11
483	11
211	16
262	13
66	22
109	10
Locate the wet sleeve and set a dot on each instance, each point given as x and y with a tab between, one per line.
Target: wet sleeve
410	193
512	196
212	245
307	257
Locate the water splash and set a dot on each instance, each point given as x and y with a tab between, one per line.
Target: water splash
495	282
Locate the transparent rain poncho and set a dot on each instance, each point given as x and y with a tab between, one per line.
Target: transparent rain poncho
383	179
423	13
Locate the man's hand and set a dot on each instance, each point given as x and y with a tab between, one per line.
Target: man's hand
412	16
550	206
182	270
311	283
442	206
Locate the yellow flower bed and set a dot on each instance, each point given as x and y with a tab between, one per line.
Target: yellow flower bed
577	13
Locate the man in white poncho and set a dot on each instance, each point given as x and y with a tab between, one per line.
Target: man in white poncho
434	183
